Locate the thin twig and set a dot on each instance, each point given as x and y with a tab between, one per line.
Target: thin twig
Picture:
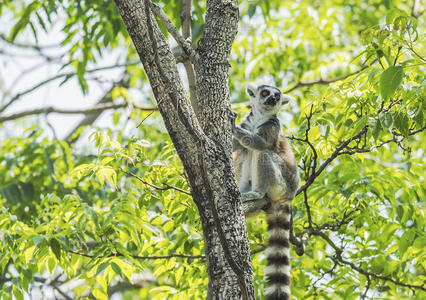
258	250
335	154
340	259
308	208
324	81
90	110
59	76
171	28
31	46
367	287
61	292
172	255
89	119
314	151
186	20
165	188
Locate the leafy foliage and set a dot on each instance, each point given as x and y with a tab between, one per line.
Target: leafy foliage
97	211
117	215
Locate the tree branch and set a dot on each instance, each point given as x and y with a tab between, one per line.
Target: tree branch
367	287
96	109
59	76
91	118
172	255
185	46
339	251
336	153
167	187
171	28
31	46
186	21
308	208
55	287
324	81
370	274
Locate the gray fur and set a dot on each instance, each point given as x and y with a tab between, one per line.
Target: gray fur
264	162
267	175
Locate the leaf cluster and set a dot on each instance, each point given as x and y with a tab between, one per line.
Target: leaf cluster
116	213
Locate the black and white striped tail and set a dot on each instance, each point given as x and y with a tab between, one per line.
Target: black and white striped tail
277	270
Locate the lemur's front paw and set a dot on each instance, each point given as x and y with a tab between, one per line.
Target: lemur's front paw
234	114
233	117
251	203
251	196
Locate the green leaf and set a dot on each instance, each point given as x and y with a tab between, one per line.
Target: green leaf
417	116
37	240
102	267
50	165
401	123
359	124
24	20
63	239
115	117
390	80
27	190
251	10
55	247
107	160
116	269
372	76
99	294
108	173
51	265
403	243
12	194
18	293
81	70
179	273
374	126
41	22
386	119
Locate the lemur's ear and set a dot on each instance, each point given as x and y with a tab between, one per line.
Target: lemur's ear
286	99
250	90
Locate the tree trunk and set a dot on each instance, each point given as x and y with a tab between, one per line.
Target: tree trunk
209	163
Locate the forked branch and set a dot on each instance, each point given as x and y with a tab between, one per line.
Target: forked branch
171	28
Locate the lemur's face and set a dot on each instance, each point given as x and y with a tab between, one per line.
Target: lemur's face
267	98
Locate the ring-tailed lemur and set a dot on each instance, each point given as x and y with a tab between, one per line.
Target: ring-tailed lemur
267	175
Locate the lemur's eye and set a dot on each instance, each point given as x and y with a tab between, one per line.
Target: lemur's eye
265	93
277	96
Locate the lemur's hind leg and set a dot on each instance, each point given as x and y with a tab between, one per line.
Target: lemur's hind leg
253	206
263	177
253	201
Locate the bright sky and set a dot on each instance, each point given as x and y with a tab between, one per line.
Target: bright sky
21	69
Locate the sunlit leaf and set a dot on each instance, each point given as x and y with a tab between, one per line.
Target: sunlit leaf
390	80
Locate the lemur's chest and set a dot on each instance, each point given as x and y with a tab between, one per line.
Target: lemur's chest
253	122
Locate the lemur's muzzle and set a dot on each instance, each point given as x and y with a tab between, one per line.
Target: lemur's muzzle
271	101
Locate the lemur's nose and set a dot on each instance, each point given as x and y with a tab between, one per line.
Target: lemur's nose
271	101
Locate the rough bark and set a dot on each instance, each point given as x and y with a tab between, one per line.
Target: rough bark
209	164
